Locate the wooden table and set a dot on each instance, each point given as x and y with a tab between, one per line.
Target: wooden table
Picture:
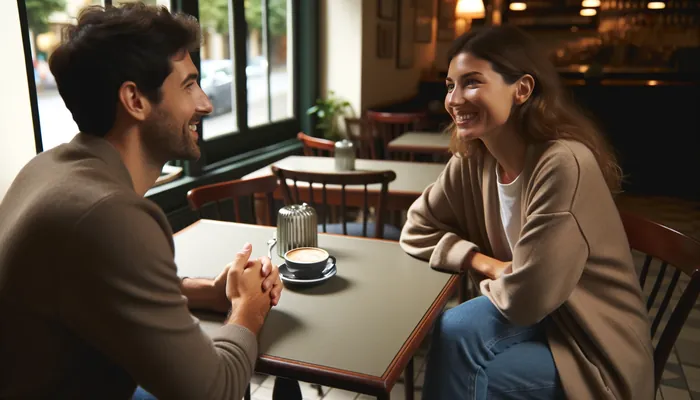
421	142
411	178
356	331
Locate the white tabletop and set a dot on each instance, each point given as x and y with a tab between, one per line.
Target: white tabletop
426	141
411	177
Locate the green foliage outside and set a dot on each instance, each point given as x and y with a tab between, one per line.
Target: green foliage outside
38	12
214	14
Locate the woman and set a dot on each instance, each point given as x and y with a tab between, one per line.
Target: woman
525	207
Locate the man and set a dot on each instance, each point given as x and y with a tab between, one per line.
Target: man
90	302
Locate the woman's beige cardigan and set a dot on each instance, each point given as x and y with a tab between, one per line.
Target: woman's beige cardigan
572	262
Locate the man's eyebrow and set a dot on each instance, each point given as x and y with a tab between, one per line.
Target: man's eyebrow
191	77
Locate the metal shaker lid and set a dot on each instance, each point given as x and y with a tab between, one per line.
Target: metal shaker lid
343	144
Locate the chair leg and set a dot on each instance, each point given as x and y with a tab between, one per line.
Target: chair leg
408	380
286	389
463	288
319	389
247	393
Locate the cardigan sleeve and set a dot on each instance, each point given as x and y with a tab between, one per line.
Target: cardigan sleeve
549	257
432	231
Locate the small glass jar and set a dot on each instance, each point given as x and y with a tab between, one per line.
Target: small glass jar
344	155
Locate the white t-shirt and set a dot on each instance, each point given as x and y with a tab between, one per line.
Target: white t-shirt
509	199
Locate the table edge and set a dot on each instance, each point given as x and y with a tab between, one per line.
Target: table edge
355	381
419	333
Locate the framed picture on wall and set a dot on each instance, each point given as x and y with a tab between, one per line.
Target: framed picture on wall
386	9
405	42
385	40
424	21
446	20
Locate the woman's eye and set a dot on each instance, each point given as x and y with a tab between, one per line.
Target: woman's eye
450	87
471	82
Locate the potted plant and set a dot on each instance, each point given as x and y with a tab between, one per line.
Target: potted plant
328	111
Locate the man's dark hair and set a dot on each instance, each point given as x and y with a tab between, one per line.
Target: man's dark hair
110	46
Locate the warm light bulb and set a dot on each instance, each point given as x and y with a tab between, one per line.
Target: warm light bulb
656	5
518	6
588	12
470	9
590	3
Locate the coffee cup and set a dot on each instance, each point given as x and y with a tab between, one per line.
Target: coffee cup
306	261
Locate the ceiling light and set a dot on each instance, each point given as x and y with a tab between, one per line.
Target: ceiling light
656	5
588	12
590	3
518	6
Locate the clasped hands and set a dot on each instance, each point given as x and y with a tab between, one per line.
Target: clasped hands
217	294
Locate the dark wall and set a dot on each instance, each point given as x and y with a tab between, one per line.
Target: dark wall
655	130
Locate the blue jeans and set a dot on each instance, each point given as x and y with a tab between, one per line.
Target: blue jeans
141	394
477	354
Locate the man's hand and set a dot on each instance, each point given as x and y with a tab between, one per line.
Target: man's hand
206	294
249	304
272	280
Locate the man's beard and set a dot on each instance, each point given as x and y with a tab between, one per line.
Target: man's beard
163	140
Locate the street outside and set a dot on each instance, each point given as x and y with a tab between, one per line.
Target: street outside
57	125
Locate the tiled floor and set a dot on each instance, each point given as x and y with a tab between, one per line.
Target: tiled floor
681	379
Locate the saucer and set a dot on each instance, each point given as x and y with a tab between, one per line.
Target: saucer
326	274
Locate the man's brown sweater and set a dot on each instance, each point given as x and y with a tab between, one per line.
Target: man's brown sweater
90	301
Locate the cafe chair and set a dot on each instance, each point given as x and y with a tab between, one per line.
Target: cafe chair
344	188
226	200
314	146
666	253
387	126
359	131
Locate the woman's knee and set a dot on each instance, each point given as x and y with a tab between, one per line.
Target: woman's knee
464	320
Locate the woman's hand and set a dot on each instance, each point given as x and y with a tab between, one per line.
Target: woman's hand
490	267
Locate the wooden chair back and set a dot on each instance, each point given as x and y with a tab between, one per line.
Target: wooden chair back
294	195
679	258
359	132
235	191
315	146
388	126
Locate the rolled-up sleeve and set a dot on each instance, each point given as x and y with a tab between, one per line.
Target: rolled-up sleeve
432	231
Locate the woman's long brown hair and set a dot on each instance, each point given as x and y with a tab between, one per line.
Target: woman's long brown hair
549	113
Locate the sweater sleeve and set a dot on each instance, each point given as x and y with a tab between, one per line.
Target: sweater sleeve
123	297
549	257
432	230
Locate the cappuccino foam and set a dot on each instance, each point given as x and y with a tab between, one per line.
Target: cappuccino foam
307	255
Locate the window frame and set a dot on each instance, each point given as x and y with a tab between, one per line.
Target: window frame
222	149
231	146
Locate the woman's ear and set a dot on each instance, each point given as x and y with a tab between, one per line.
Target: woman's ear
523	88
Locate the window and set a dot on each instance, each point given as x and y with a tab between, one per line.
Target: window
46	19
248	71
248	65
268	39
